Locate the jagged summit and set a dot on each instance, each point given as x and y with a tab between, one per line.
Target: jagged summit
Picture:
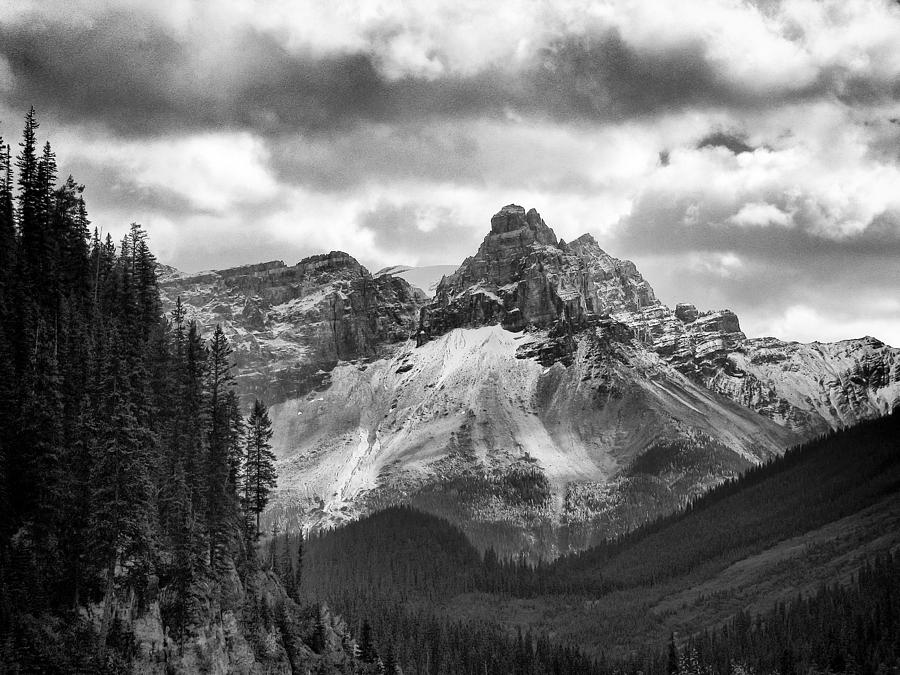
513	219
523	276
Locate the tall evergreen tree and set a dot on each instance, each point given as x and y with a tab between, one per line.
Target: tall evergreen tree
29	189
222	504
298	567
259	467
8	246
7	220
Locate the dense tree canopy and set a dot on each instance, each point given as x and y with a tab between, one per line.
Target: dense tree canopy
121	439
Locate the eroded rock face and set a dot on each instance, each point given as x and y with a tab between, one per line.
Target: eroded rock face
686	313
290	325
577	410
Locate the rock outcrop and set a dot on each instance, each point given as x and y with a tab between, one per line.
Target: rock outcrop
290	325
223	625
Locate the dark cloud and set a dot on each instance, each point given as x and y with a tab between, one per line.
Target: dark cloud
664	224
130	74
721	139
119	70
602	77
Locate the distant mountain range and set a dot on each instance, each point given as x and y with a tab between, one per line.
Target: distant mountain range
541	396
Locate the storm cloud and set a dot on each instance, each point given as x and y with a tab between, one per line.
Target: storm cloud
743	154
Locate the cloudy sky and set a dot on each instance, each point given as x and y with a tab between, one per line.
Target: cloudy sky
743	154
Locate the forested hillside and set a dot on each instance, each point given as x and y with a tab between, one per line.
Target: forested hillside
813	484
427	597
391	575
128	490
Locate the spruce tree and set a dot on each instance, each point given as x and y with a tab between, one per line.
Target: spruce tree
27	165
8	245
7	220
259	467
222	501
390	662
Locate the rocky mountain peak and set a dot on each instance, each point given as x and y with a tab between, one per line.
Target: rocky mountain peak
522	275
334	262
513	218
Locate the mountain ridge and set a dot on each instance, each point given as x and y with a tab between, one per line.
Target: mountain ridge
533	353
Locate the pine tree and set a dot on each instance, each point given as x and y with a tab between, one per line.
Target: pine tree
29	189
672	663
259	466
193	419
7	221
143	275
8	245
222	506
120	478
318	641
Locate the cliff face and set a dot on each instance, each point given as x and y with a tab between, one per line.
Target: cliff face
235	626
290	325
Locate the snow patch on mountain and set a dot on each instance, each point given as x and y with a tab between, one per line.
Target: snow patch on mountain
426	277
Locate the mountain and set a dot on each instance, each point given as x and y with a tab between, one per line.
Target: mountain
523	276
290	325
549	398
